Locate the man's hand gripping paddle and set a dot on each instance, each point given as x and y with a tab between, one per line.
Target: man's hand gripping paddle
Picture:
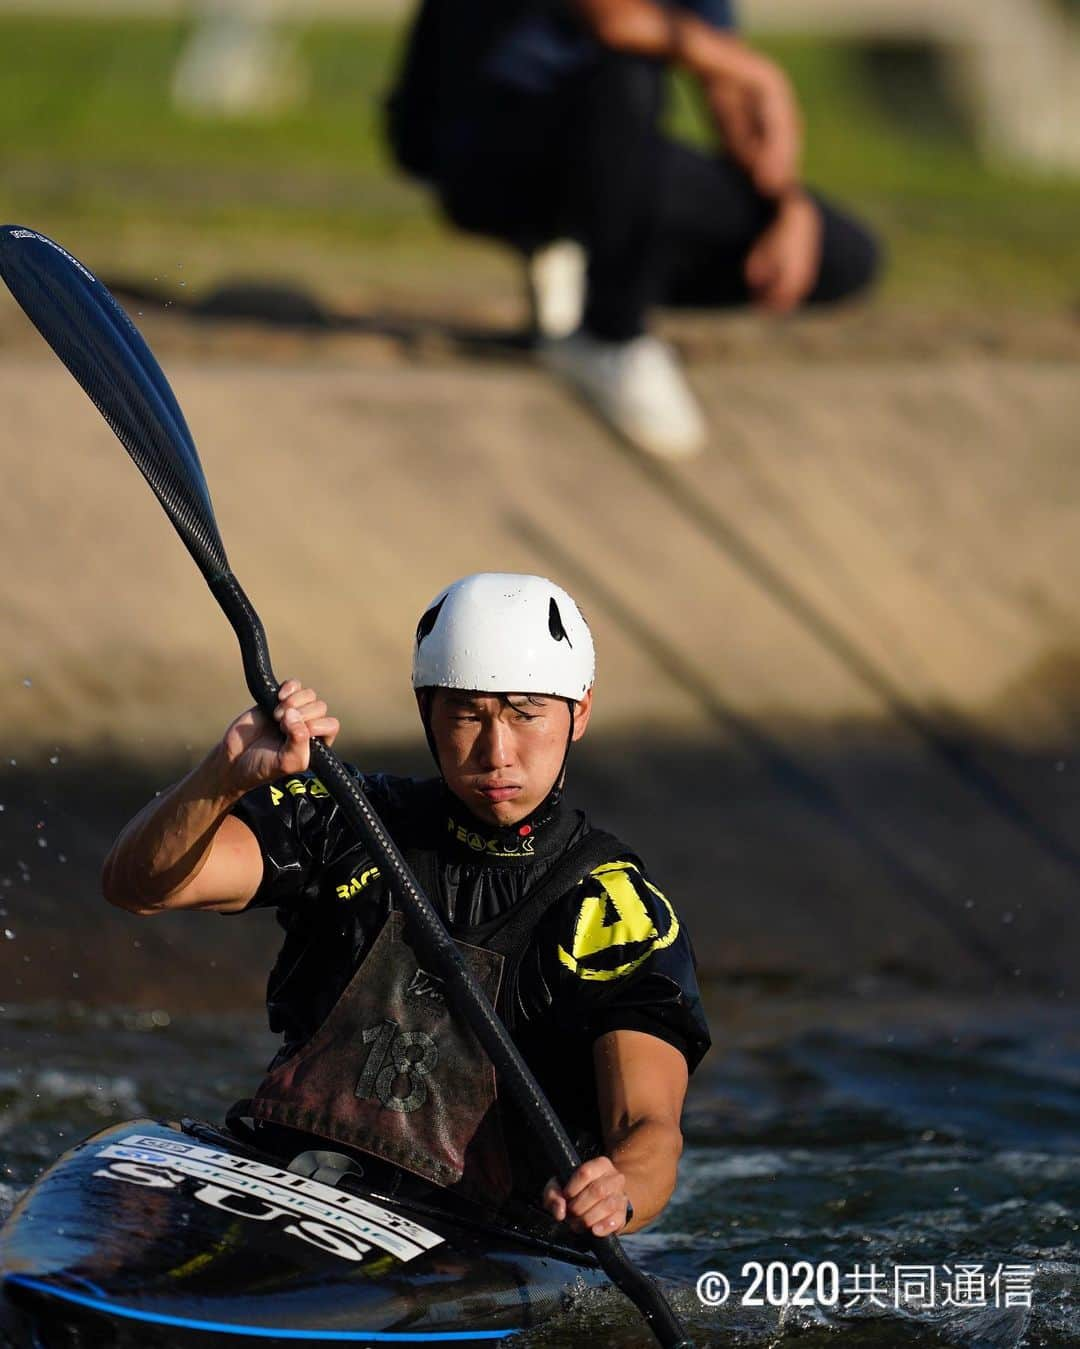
105	352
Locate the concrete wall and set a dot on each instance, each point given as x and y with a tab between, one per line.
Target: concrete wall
839	656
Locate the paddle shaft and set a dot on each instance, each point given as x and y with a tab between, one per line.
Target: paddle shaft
442	954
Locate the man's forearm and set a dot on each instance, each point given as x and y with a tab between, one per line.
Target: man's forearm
646	28
167	844
648	1156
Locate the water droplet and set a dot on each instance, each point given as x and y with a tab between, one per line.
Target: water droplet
12	762
74	974
969	903
61	856
1	809
9	934
43	842
159	1017
28	683
1059	767
1006	917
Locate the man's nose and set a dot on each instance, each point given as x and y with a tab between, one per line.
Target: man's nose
496	750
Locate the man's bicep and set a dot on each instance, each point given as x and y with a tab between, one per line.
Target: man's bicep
230	876
638	1077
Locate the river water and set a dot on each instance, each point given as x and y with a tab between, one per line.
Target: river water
885	1140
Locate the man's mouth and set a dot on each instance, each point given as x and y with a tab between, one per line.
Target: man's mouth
498	791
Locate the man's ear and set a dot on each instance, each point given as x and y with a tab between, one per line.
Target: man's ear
582	712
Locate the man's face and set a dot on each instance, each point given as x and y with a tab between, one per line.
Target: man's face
500	756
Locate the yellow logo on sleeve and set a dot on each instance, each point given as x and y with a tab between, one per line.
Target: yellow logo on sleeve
357	883
612	928
298	787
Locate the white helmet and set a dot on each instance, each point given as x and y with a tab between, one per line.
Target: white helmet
499	632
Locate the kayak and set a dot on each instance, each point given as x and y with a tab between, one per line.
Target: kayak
182	1235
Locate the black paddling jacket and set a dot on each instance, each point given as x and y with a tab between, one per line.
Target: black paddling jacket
610	955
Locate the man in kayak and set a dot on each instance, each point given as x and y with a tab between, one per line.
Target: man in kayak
585	959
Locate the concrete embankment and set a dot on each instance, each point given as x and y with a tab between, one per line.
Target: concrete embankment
839	683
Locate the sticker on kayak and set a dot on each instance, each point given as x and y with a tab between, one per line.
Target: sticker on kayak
340	1224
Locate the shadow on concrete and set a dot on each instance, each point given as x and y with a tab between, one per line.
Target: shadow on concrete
886	881
294	308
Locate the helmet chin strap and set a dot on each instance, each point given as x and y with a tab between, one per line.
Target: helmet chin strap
423	702
554	796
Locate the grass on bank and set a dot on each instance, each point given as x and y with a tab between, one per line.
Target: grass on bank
93	151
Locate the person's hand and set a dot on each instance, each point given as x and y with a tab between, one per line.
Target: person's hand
593	1200
757	115
782	267
258	749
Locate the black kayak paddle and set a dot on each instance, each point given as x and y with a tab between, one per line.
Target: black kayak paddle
109	357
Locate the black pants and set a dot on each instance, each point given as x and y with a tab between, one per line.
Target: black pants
662	223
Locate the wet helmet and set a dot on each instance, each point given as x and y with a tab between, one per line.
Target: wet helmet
499	632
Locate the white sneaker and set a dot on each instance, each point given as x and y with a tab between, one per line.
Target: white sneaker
637	387
556	279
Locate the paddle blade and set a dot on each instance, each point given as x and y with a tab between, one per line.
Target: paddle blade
107	354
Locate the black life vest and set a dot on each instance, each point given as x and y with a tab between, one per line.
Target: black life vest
393	1072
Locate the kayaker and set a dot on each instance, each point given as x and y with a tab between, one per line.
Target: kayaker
586	959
